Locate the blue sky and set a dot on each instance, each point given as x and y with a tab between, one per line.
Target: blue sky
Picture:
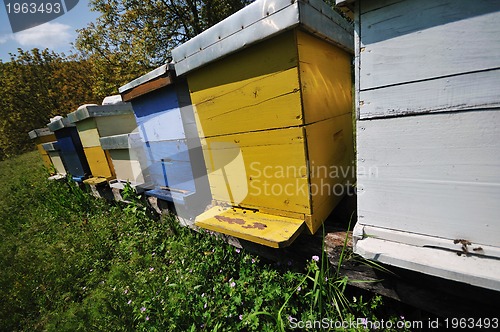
56	35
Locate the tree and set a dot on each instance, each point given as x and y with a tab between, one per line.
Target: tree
132	36
35	86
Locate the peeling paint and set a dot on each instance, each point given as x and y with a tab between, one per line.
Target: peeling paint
256	225
230	220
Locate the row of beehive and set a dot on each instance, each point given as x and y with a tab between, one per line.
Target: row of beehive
256	119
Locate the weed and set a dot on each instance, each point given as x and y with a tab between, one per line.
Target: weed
135	202
70	262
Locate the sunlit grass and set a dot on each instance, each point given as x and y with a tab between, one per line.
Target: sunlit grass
71	262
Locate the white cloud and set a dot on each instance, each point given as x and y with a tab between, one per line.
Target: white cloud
5	38
49	35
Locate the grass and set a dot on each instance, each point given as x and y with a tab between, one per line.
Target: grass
71	262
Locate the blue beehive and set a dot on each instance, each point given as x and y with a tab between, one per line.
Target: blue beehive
71	149
175	166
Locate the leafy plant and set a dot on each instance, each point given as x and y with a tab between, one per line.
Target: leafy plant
70	262
35	86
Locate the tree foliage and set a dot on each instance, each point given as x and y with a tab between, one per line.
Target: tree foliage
132	36
34	86
128	39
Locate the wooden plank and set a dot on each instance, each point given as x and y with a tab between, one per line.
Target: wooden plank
147	87
276	54
325	78
330	152
162	126
367	6
187	113
95	111
436	174
116	124
357	51
162	100
198	169
250	90
175	164
45	139
87	130
411	40
469	269
40	132
155	175
99	188
458	93
317	18
242	171
94	182
99	162
117	142
155	153
168	151
269	230
180	175
169	164
258	103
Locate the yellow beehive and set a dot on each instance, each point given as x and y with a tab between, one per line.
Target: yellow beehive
53	150
273	108
41	136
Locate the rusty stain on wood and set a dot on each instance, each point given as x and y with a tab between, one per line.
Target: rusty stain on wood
270	230
256	225
239	221
230	220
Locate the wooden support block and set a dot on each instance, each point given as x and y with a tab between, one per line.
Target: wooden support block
100	190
